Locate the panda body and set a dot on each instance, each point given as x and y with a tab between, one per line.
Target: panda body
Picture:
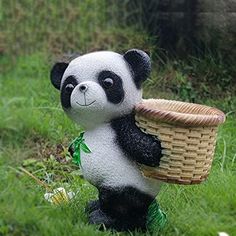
99	92
107	165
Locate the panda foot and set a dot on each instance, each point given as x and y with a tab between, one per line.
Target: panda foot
98	217
92	206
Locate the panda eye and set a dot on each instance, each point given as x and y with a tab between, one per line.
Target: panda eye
69	88
108	83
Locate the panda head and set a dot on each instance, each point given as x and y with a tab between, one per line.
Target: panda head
100	86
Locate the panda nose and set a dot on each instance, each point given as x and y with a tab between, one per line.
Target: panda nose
83	88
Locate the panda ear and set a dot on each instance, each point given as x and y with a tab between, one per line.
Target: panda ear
57	72
140	64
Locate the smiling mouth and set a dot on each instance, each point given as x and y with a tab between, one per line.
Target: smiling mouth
86	105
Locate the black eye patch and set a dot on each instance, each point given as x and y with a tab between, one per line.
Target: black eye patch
66	90
112	85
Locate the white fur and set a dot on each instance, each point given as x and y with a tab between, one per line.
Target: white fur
107	165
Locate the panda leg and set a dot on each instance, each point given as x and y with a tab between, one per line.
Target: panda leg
122	209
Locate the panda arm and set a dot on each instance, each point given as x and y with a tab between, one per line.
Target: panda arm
139	146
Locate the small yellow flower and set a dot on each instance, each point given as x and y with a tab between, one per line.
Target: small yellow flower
59	196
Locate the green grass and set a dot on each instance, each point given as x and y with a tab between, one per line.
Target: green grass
56	27
59	27
34	132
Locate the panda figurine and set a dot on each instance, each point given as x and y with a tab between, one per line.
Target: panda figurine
99	91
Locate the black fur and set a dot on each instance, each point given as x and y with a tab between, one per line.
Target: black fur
140	64
57	72
120	208
115	93
66	93
139	146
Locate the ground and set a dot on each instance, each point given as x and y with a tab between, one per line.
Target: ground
34	133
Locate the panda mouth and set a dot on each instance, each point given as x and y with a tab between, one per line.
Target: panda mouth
86	105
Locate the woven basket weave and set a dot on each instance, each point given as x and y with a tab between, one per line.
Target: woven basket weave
187	133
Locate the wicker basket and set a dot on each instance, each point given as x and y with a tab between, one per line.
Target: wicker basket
187	133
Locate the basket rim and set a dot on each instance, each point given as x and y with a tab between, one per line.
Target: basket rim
208	116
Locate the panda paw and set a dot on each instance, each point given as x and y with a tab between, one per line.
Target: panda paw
98	217
156	153
92	206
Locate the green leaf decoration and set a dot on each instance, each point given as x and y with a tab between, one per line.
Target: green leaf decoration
77	145
85	148
156	218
